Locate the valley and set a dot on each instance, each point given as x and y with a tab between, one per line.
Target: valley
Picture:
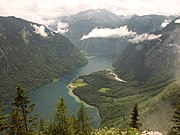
33	57
115	104
95	58
46	96
150	77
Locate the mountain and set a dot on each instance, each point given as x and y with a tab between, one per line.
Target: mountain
146	23
84	22
99	16
32	55
160	57
150	70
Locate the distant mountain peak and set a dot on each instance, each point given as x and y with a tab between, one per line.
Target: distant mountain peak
95	11
172	25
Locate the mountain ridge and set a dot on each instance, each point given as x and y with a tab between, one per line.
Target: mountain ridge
160	54
84	22
32	55
150	70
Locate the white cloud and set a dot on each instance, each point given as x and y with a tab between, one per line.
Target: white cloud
165	23
143	37
40	30
62	27
177	21
36	10
120	33
55	25
109	33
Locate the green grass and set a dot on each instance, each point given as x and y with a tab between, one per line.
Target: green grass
104	90
79	83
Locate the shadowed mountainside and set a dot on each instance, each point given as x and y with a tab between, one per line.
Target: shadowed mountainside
32	55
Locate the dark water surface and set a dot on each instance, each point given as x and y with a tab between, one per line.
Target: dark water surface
47	96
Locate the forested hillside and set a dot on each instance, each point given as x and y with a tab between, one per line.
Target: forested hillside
150	70
32	55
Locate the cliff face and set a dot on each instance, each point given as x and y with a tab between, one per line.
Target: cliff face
155	58
32	55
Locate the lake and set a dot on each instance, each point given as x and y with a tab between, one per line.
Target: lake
47	96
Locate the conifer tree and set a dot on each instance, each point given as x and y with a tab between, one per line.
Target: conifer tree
21	120
41	125
134	118
75	127
175	130
84	121
48	128
61	120
3	119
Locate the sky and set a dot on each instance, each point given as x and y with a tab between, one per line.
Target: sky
36	10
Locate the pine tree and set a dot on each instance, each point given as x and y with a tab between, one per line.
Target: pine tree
21	120
84	121
41	125
134	118
3	119
75	127
61	120
48	128
175	130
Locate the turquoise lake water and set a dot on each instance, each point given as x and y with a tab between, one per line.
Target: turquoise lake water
47	96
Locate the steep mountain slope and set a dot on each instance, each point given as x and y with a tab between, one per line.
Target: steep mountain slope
146	23
84	22
32	55
155	58
99	16
152	80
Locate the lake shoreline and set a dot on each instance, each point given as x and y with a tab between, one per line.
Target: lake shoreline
56	79
56	90
77	99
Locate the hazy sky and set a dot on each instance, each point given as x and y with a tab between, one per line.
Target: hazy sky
34	10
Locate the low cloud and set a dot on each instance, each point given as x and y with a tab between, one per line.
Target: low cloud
109	33
56	26
143	37
40	30
177	21
62	27
121	32
165	23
